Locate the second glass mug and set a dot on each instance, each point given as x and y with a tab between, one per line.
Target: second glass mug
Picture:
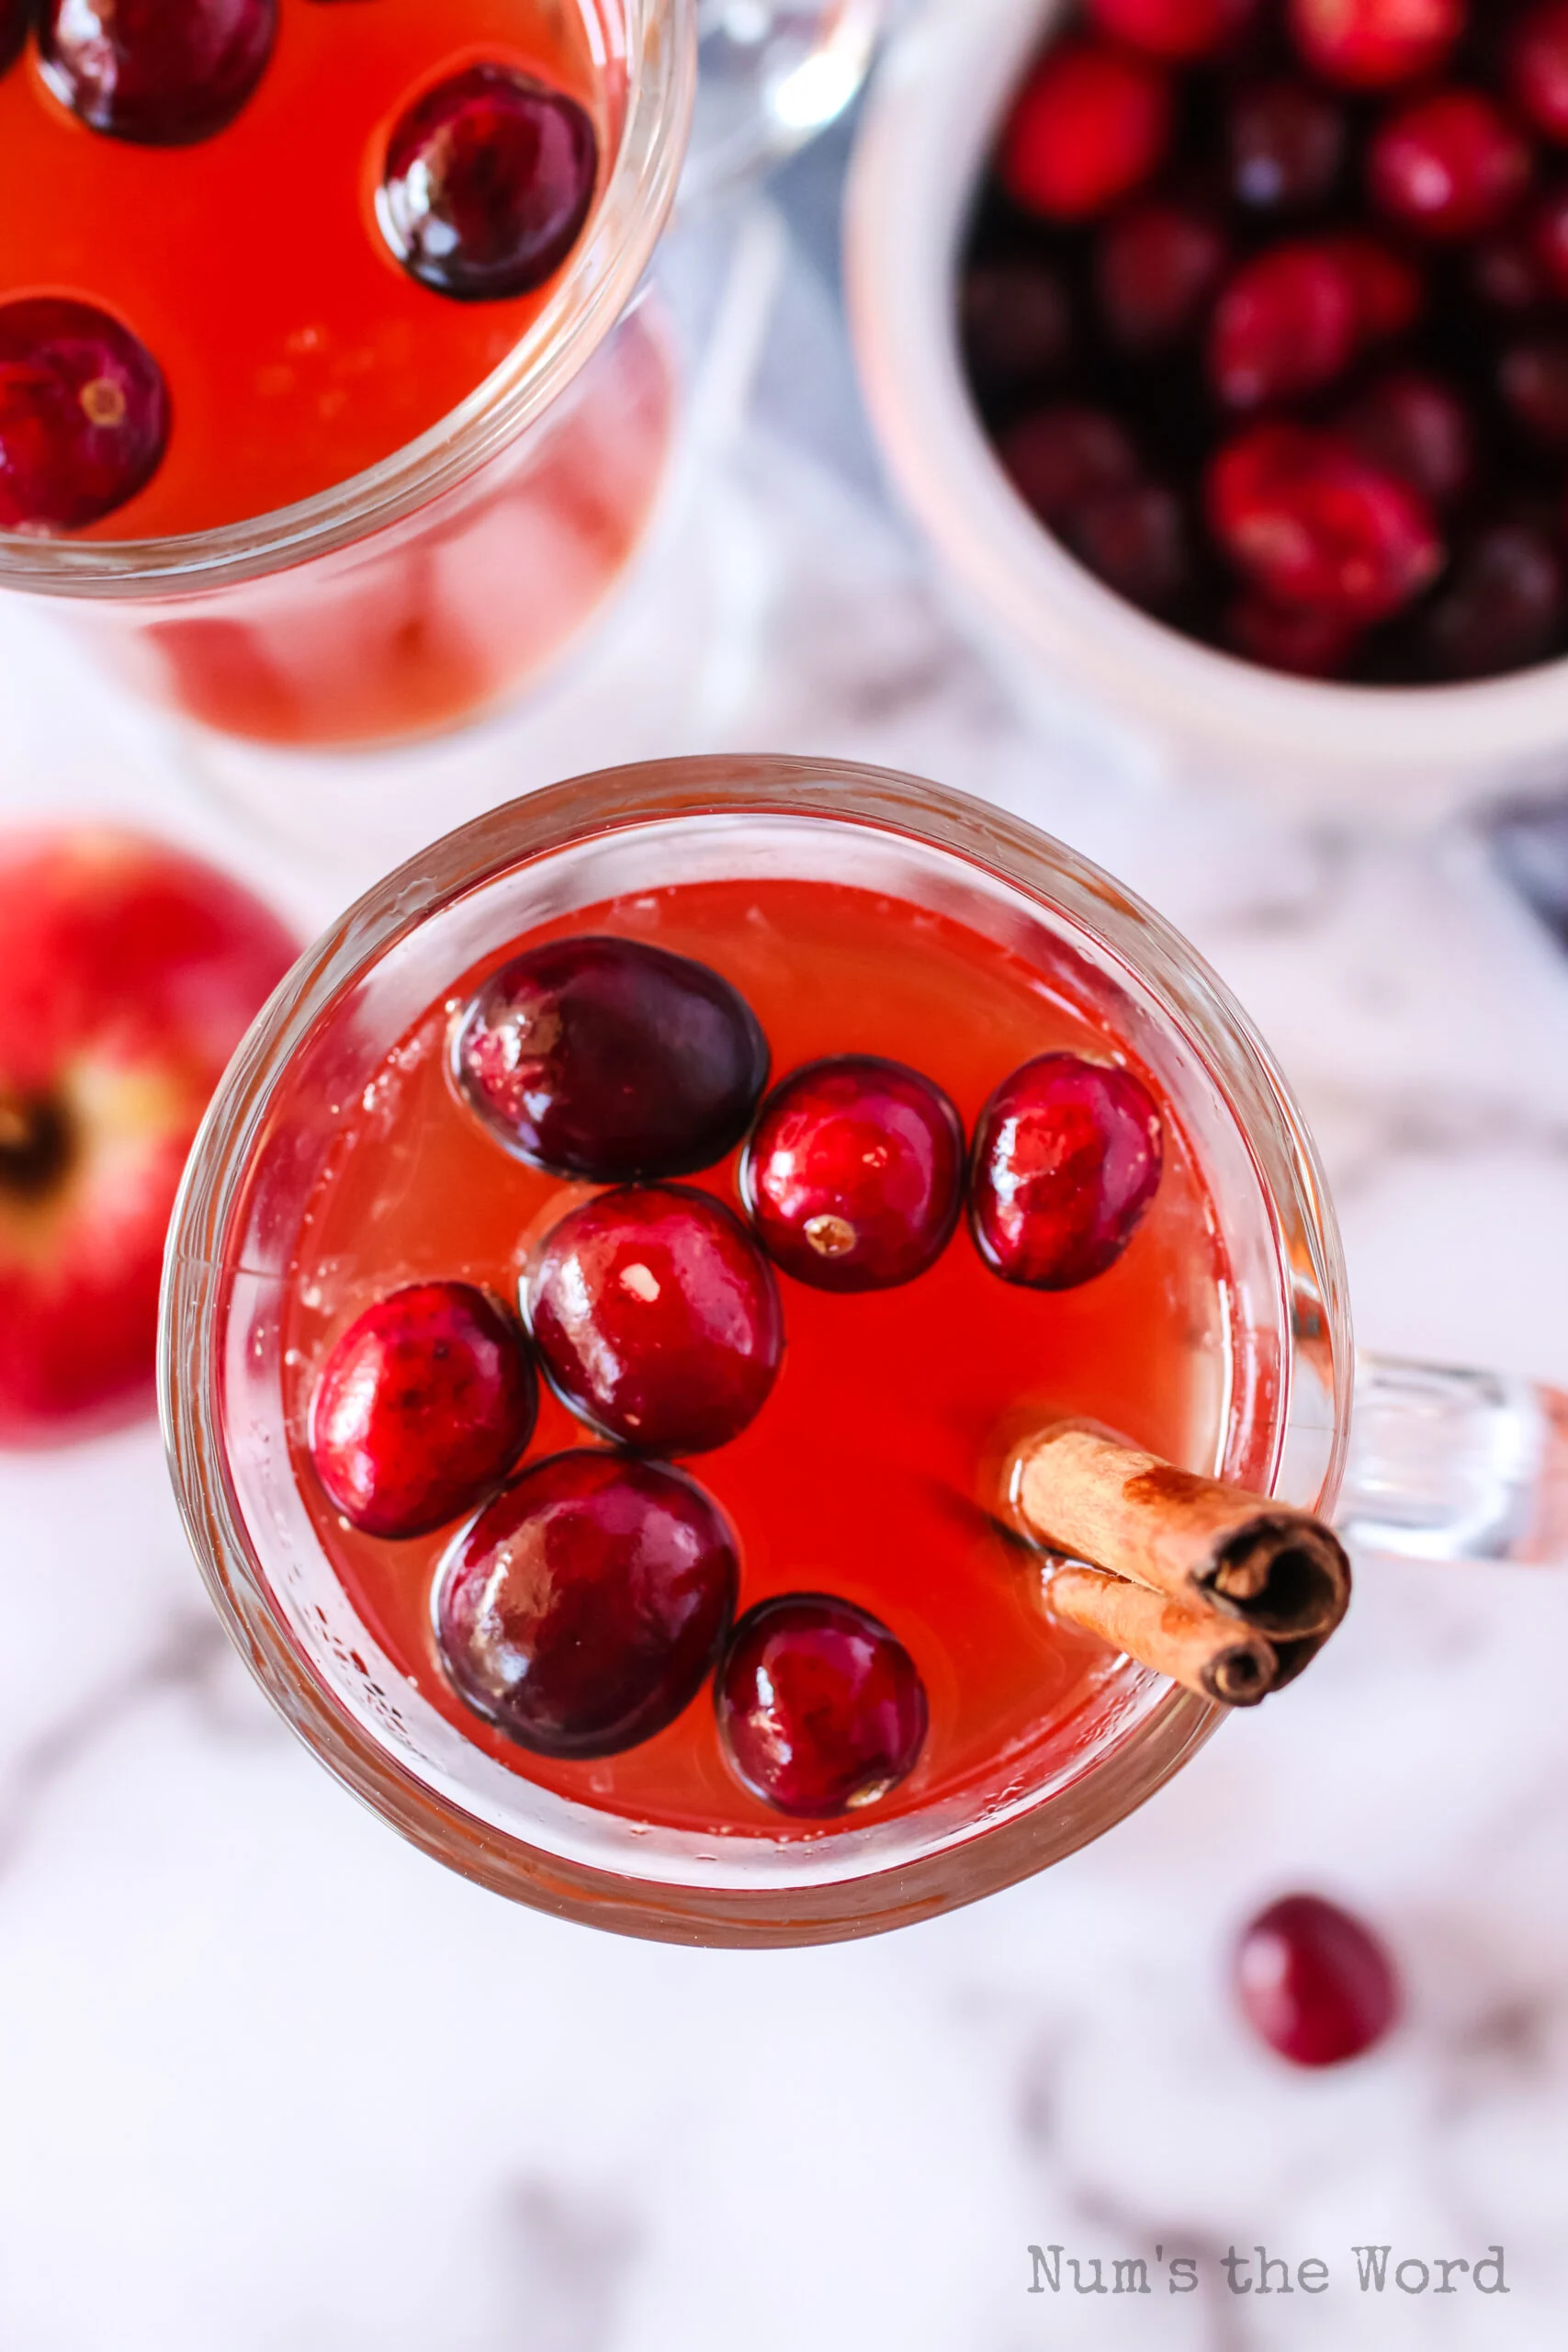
1441	1465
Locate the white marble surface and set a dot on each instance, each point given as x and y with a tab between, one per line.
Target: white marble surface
270	2082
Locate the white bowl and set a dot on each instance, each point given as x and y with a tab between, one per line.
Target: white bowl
1087	664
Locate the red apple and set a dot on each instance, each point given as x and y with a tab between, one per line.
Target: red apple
129	973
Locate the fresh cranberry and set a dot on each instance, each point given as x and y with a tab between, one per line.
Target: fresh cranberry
1287	146
1136	540
1505	271
84	415
1502	607
1068	1157
1413	425
1090	125
1302	642
854	1175
1533	380
1287	324
1549	240
1309	521
1061	457
1173	28
1016	325
1313	1982
584	1609
607	1058
422	1408
1538	67
1374	44
1389	293
657	1318
821	1709
163	73
1157	265
1449	167
488	182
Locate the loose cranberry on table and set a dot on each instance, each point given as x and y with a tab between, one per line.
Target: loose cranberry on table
656	1317
821	1709
854	1175
423	1407
1090	125
1309	521
128	975
1067	1158
84	415
162	72
1375	44
607	1058
488	182
585	1607
1314	1983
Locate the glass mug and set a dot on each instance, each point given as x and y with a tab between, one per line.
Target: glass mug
1441	1465
430	589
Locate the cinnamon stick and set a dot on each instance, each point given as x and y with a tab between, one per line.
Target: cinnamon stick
1214	1656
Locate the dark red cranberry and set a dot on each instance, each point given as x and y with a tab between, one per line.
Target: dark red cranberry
1068	1157
1136	540
1061	457
16	15
656	1317
1016	325
163	73
854	1175
1413	425
1374	44
488	182
1549	241
1309	521
821	1709
1538	67
422	1408
1176	29
1501	608
1389	294
1090	125
1302	642
1314	1983
1448	167
1506	272
607	1058
84	415
1288	323
1157	267
1533	380
584	1609
1286	145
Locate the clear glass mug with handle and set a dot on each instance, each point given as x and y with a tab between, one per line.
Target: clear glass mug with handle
433	588
1441	1465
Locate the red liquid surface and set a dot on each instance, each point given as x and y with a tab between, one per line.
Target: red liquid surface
295	348
874	1468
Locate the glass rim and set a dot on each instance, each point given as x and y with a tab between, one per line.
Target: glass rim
558	817
600	281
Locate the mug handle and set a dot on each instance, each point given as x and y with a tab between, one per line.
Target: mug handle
1450	1465
771	74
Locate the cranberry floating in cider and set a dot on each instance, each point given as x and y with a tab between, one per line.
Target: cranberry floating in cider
1067	1156
162	72
84	415
821	1708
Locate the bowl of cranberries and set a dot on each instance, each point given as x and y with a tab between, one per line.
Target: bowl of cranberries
1221	346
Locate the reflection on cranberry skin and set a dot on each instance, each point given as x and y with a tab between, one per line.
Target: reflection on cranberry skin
488	181
820	1709
582	1612
1313	1982
609	1059
1068	1157
656	1318
423	1407
84	415
159	73
1448	167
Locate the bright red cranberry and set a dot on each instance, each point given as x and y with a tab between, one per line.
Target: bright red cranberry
1287	324
1390	296
1286	145
1374	44
1157	265
1061	457
1294	639
1314	1983
584	1609
163	73
657	1318
1176	29
1309	521
422	1408
84	415
854	1175
1448	167
1016	325
607	1058
1067	1156
1502	607
1538	67
1413	425
821	1709
1136	541
1090	126
488	181
1533	380
1549	242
